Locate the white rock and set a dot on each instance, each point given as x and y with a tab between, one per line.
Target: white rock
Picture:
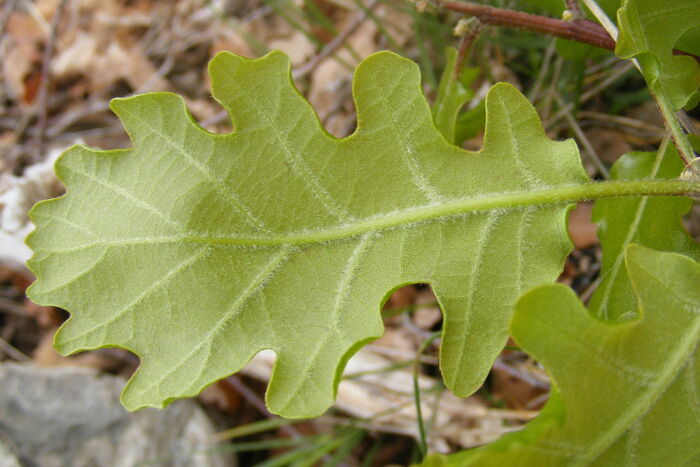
72	416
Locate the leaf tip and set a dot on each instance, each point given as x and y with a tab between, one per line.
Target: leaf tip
59	343
228	61
505	96
237	80
225	66
145	114
385	59
533	298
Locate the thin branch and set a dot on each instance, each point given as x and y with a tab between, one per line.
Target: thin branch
336	43
583	140
12	352
255	400
544	69
619	121
583	31
548	98
588	95
60	123
11	307
468	37
43	93
501	365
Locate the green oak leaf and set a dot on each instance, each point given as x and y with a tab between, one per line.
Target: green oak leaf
654	222
623	393
649	30
196	251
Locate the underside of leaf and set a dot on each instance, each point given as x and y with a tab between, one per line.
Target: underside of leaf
649	30
196	251
623	393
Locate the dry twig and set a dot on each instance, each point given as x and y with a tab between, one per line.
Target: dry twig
43	94
255	400
334	44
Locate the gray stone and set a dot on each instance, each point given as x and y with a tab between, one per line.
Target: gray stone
66	416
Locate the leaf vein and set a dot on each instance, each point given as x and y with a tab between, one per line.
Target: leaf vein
343	289
220	186
128	196
260	278
172	274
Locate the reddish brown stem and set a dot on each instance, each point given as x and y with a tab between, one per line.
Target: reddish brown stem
584	31
464	45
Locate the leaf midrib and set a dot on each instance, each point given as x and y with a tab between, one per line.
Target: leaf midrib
513	200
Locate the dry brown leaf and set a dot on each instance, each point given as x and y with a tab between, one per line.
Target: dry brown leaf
427	317
296	45
77	58
402	297
222	396
128	62
397	338
46	355
47	8
22	53
582	230
45	316
233	42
